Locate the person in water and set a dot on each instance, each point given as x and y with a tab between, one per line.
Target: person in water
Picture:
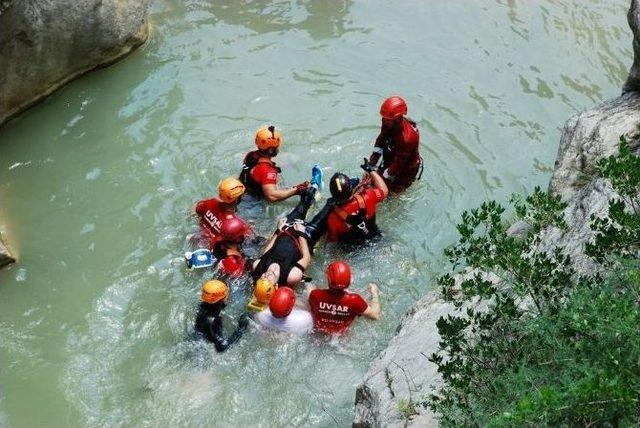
220	227
334	309
288	252
283	315
352	218
398	144
259	172
208	323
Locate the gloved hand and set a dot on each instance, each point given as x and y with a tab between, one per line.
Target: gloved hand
300	188
368	167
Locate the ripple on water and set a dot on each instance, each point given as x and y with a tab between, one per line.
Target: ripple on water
488	83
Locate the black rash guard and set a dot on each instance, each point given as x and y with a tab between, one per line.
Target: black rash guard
285	253
209	325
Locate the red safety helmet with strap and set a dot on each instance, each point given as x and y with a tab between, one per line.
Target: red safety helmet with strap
339	275
393	108
233	230
282	302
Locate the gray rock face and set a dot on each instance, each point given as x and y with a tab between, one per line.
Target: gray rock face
46	43
590	136
633	81
587	138
402	373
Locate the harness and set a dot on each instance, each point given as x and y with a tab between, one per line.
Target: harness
250	162
359	227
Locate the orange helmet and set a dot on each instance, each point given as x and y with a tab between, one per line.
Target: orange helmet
230	189
393	108
263	291
268	137
214	291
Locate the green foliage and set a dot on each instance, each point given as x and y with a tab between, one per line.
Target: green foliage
619	233
577	366
534	343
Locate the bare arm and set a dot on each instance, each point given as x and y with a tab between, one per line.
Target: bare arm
273	194
379	183
373	310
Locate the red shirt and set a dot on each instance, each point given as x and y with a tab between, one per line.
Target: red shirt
212	214
336	226
333	311
264	173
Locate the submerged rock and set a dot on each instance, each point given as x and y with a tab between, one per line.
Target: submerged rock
46	43
5	256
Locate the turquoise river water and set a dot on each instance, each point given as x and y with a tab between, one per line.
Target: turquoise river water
98	182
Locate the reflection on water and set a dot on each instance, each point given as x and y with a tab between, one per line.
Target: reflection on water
98	183
320	19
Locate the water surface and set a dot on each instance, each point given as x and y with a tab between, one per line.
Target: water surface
98	181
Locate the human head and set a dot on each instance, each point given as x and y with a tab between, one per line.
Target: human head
263	291
393	109
268	140
340	187
282	302
231	265
214	291
230	189
233	230
338	275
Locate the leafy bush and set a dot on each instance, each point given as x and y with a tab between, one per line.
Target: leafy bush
619	233
534	343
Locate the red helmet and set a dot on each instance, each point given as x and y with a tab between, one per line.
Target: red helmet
339	275
282	302
232	265
233	230
393	108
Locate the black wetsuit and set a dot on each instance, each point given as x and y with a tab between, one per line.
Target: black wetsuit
285	251
209	325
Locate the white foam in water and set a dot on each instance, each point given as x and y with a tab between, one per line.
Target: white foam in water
87	228
21	275
93	174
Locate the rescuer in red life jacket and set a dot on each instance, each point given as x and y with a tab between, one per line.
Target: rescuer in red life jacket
220	227
260	174
398	144
334	309
353	217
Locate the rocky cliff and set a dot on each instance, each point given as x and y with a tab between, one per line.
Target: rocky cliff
402	374
5	255
46	43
